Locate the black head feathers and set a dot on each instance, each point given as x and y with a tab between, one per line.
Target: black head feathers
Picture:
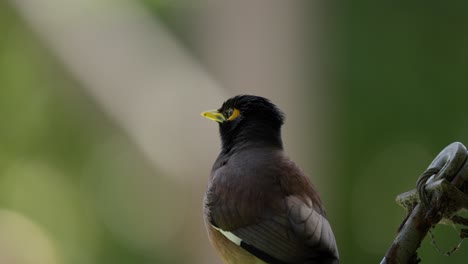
255	108
250	121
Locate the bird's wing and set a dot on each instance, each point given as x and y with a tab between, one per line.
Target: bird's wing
312	228
273	212
300	235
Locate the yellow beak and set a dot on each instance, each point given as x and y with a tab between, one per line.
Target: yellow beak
214	115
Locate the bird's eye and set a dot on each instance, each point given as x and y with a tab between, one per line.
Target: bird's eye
231	113
228	113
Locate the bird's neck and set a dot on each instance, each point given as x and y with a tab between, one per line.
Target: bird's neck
251	138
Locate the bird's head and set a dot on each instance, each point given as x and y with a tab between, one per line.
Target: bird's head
248	120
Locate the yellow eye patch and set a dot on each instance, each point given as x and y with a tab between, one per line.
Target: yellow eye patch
234	114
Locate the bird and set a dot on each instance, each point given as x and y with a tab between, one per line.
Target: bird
260	207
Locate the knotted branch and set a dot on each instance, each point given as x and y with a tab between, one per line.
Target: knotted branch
440	193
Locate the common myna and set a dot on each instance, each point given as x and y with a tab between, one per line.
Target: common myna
259	206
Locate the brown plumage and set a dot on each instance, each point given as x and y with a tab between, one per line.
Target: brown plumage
259	206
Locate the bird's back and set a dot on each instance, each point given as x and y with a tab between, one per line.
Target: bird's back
265	201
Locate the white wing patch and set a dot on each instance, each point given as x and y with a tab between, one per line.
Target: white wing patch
233	238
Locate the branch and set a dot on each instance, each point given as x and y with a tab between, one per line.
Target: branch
438	195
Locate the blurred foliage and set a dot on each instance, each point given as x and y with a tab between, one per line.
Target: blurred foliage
49	133
403	71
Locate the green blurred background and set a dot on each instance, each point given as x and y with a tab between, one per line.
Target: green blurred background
104	157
